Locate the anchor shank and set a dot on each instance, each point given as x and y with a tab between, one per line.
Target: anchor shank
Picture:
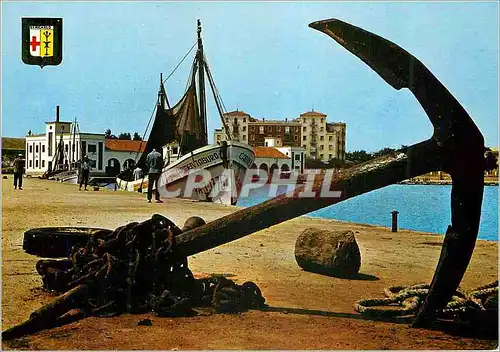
351	182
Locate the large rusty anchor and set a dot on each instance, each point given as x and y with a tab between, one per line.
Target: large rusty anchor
456	147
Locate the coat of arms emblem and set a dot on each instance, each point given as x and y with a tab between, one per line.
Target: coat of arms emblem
42	41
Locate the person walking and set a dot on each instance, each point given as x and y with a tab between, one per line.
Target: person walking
18	171
154	163
84	172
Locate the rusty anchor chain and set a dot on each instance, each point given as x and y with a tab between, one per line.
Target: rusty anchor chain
134	269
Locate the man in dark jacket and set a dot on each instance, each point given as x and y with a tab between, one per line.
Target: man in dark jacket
18	171
84	172
154	162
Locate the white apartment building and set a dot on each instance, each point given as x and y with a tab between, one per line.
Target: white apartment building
320	139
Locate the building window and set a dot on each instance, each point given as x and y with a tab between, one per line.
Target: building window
322	120
321	138
321	147
36	148
297	157
218	137
174	150
244	128
31	148
43	163
235	121
252	128
50	143
66	148
244	120
36	164
31	164
50	127
278	142
261	129
43	148
252	137
304	138
287	129
321	129
329	156
295	138
330	138
330	147
304	146
304	129
304	120
270	128
92	148
321	156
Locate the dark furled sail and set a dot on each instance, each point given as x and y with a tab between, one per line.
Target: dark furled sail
180	124
184	123
188	124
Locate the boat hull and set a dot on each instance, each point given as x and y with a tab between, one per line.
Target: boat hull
211	173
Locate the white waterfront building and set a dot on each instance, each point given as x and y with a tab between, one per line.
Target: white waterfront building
107	156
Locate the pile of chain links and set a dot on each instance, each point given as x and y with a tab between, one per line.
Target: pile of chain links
137	269
407	300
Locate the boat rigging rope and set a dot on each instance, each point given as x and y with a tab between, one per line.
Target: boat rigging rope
407	300
215	87
144	135
218	99
176	67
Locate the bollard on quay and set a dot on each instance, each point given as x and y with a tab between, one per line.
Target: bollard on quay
394	220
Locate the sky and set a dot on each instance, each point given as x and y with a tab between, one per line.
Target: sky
264	58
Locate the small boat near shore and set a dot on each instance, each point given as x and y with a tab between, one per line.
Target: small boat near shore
192	168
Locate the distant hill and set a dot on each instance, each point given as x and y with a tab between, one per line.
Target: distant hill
10	143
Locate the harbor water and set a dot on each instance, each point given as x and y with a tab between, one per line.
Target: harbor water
421	207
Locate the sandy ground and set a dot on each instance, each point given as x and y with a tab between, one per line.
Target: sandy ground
306	310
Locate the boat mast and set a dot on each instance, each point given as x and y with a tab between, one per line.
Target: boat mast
160	92
73	148
201	84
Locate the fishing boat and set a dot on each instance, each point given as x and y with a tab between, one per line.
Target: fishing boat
192	168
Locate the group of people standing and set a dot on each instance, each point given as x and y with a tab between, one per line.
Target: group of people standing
154	164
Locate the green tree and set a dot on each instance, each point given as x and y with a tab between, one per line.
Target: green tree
383	151
125	135
108	134
358	156
490	160
137	137
336	163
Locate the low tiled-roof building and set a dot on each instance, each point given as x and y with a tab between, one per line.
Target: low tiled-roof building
124	145
63	145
